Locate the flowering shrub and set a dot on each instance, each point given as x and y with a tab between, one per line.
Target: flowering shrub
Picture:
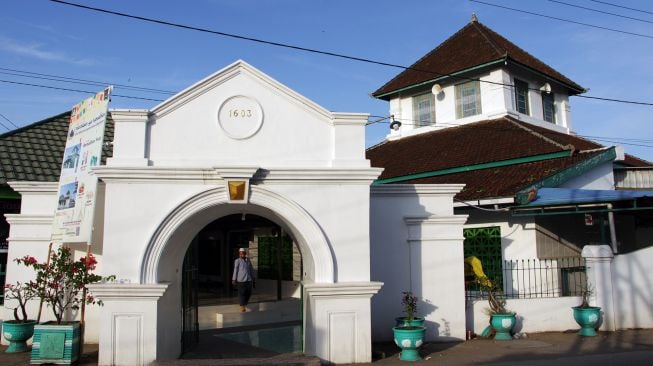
22	293
61	283
409	301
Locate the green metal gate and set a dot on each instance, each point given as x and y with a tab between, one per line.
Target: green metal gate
189	284
484	243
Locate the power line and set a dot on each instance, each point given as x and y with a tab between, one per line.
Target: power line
8	120
316	51
621	6
76	90
81	81
600	11
412	122
5	127
556	18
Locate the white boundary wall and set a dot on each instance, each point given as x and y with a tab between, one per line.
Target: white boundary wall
632	286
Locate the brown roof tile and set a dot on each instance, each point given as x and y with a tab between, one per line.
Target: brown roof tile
473	45
478	143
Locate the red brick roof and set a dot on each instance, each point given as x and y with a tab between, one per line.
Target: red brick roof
473	45
480	143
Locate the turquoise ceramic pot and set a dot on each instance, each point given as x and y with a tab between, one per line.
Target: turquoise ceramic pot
403	321
588	319
17	334
409	339
502	324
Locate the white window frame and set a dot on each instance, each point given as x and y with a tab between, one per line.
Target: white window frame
521	87
421	116
468	99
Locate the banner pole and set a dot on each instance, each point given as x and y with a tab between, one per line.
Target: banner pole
83	315
47	263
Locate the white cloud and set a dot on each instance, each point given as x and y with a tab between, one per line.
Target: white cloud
35	50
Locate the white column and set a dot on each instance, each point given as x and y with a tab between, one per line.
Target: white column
128	323
337	321
598	261
129	138
437	274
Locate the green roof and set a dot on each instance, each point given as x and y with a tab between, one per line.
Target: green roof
34	152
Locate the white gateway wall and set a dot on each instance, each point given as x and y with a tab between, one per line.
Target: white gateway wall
417	245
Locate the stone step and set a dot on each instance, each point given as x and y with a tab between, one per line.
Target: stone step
285	360
223	316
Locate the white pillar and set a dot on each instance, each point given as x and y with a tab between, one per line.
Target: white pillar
129	138
598	261
338	321
128	323
438	274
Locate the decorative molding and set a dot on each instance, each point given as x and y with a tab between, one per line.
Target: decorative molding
306	231
27	219
416	189
221	76
116	291
343	288
435	220
129	115
236	172
597	252
349	119
34	187
215	175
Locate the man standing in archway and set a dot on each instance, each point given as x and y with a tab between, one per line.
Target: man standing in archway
243	278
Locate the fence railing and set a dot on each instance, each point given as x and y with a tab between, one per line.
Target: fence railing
534	278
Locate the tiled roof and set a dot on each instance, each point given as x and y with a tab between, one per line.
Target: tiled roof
34	152
473	45
484	142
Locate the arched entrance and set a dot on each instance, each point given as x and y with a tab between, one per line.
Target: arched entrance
165	253
214	326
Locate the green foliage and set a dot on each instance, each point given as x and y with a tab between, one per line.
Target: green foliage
62	282
409	302
22	293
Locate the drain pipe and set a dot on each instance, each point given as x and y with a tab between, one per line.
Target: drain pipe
613	232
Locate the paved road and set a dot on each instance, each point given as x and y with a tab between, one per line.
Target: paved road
630	347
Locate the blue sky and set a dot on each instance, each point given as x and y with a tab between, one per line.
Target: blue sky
40	36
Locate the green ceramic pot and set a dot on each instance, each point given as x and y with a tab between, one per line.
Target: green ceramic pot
17	333
409	339
502	324
588	319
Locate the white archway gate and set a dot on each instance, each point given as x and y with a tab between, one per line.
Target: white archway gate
145	318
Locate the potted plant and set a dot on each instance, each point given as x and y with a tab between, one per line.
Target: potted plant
18	330
409	302
61	284
502	320
408	336
587	316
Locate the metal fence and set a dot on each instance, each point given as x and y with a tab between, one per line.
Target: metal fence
535	278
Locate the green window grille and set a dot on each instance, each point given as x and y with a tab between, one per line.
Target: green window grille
484	243
275	258
521	96
548	107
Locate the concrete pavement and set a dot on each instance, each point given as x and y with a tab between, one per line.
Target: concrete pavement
628	347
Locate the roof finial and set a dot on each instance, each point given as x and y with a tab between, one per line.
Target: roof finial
474	18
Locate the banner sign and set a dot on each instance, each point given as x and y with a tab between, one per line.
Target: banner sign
73	219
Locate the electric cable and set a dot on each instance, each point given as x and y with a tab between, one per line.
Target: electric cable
600	11
8	120
556	18
80	81
77	90
621	6
316	51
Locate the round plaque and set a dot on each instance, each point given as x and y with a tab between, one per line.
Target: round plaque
240	117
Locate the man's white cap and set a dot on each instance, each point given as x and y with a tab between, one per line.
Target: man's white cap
243	250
